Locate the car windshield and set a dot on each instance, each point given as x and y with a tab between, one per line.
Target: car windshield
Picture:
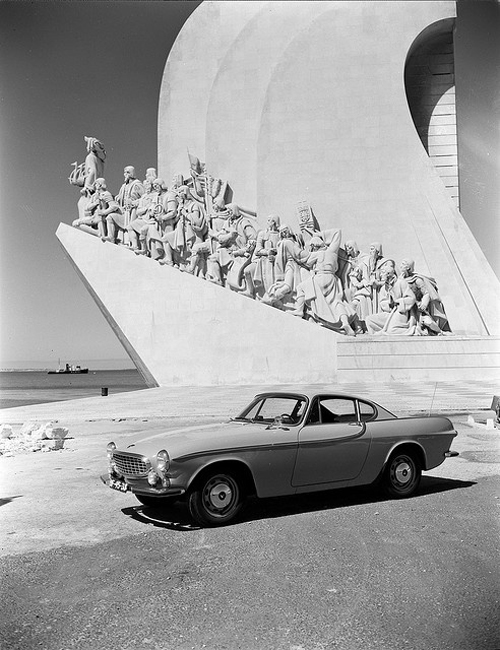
268	409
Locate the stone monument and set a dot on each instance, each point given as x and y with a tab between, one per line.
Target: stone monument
340	118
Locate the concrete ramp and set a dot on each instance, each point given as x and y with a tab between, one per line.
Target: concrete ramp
182	330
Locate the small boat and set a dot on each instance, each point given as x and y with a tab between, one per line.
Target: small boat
69	370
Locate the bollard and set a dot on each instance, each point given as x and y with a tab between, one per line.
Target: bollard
104	392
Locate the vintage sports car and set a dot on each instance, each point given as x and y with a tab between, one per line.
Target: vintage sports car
283	443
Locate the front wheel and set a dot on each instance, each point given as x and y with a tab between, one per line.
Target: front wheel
402	475
215	500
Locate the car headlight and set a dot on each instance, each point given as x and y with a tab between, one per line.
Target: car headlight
153	477
110	449
162	461
113	472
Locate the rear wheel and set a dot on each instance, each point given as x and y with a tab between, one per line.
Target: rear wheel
402	475
215	499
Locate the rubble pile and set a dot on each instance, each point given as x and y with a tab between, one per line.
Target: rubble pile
32	436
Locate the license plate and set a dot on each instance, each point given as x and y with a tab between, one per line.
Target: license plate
116	484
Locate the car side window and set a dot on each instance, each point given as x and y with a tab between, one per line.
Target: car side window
333	410
366	411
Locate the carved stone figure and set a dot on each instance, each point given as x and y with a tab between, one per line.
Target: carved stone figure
217	222
100	204
353	267
94	163
85	174
401	319
178	242
265	255
127	198
430	314
234	233
375	260
375	322
144	218
321	294
162	217
200	249
206	188
360	291
289	272
151	175
240	274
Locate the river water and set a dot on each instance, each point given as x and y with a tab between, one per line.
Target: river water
33	387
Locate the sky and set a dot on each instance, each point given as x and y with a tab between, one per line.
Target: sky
70	69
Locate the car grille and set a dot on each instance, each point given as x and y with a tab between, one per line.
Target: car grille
131	464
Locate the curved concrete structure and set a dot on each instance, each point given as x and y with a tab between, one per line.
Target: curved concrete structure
296	101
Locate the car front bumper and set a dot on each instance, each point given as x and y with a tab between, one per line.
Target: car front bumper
140	486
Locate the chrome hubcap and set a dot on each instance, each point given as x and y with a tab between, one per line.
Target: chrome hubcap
403	473
220	496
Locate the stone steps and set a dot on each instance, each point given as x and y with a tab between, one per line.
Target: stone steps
400	358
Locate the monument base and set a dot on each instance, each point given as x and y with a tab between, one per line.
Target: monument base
181	330
417	358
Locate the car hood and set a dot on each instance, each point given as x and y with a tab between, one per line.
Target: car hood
208	437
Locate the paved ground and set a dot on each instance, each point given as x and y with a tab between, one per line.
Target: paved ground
401	397
83	567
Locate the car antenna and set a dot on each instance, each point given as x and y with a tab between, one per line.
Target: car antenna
432	401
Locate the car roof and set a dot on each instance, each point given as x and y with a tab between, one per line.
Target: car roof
312	392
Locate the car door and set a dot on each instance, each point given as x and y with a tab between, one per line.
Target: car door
333	444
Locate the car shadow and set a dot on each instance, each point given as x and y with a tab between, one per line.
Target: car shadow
4	502
175	516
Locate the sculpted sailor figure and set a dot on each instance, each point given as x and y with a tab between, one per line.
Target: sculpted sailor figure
200	249
289	272
353	262
430	314
402	317
155	218
178	242
137	229
265	255
240	273
234	234
217	221
170	216
150	175
127	198
205	188
375	322
85	174
374	262
321	294
240	223
94	163
101	204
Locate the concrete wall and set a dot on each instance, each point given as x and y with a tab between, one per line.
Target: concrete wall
295	101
